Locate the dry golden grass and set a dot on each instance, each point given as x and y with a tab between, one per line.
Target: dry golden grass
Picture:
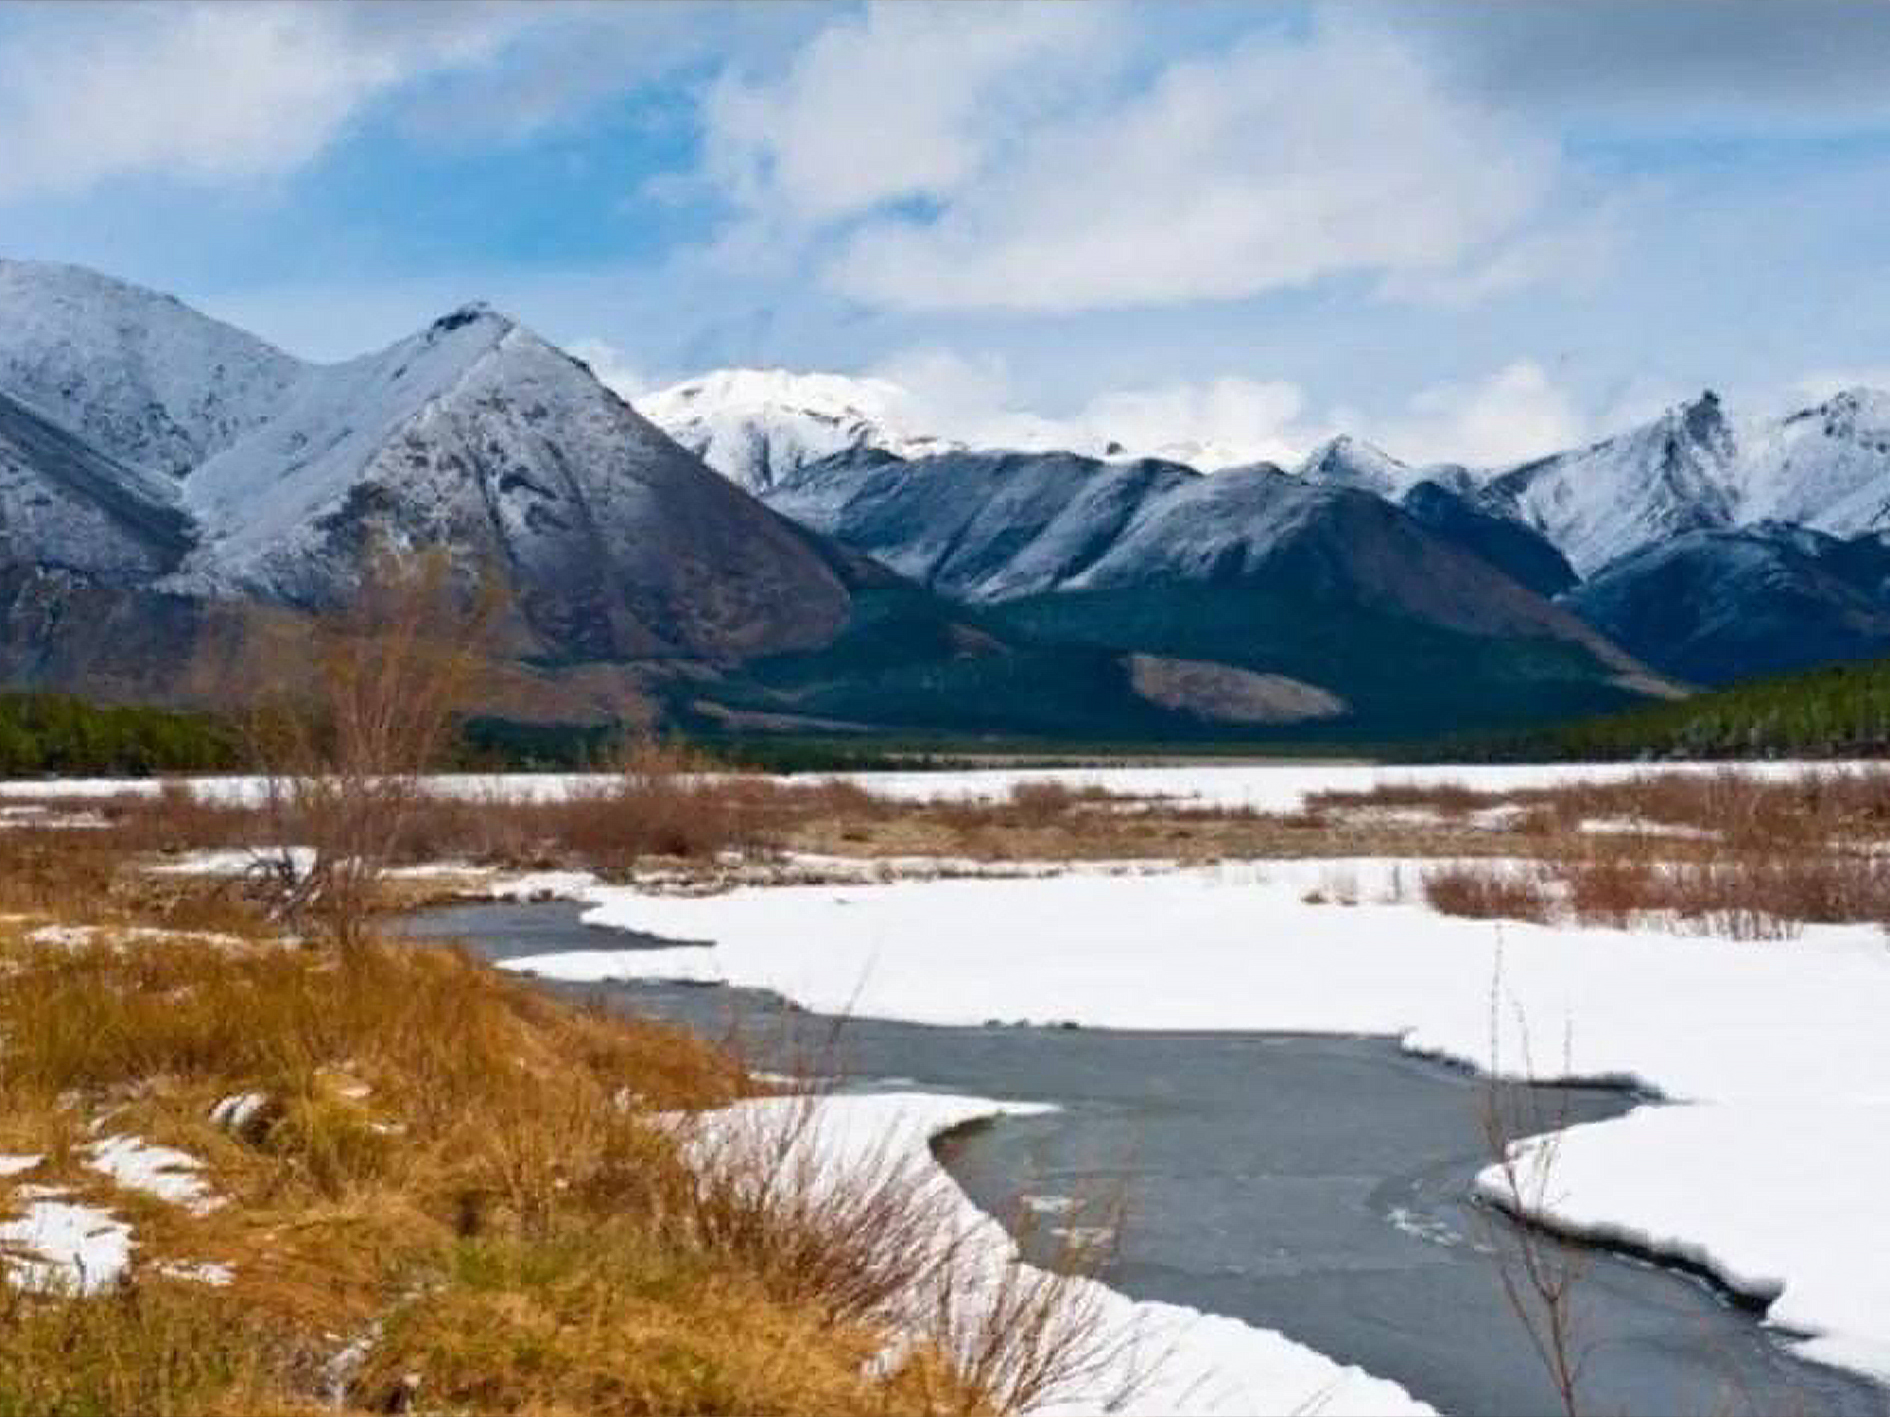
474	1180
1722	853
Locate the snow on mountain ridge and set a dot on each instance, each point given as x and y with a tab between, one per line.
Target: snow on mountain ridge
1345	461
1694	468
1675	474
273	485
138	375
477	437
757	426
1827	466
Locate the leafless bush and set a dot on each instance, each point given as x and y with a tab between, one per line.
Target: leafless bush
875	1237
344	735
1487	893
1607	887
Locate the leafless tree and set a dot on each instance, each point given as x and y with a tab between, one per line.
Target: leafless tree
349	722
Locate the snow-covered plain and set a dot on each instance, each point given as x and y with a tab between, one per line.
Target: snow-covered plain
1260	787
1778	1050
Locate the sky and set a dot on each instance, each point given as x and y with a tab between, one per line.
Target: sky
1474	232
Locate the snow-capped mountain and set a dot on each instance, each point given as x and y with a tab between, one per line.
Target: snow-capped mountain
477	437
1694	468
139	376
1827	466
757	426
1676	474
1345	461
994	528
1252	568
159	470
146	447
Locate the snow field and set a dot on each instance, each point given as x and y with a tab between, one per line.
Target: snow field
1260	787
1775	1056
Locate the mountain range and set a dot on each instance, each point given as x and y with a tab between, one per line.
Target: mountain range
1777	521
758	551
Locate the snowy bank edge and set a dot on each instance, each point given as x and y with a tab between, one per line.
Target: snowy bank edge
1202	1365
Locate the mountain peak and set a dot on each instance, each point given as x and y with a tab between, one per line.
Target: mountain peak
1704	419
1346	461
758	427
472	313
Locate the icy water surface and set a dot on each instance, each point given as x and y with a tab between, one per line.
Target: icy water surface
1313	1185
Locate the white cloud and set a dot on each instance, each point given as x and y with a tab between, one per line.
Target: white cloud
1275	163
1210	423
205	92
901	101
1821	384
214	92
1512	414
1509	416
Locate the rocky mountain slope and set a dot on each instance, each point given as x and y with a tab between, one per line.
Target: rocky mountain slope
69	507
1724	604
477	437
1519	551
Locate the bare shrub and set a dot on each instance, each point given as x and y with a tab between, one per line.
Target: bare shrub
877	1238
1041	803
344	735
1487	893
1447	799
661	801
1608	888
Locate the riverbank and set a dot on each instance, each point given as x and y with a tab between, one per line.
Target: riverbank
244	1175
1319	1186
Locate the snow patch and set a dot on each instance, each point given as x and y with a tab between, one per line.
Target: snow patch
217	1276
235	1113
1747	1192
65	1248
160	1171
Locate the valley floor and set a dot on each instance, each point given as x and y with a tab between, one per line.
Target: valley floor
1540	923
